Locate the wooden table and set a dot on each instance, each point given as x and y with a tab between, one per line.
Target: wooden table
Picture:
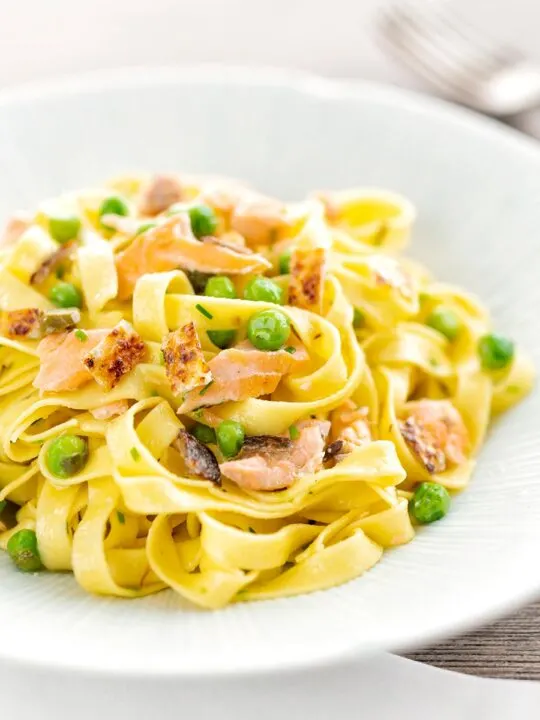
510	648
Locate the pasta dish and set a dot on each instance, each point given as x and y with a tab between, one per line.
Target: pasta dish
207	389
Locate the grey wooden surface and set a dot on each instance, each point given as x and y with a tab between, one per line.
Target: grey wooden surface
510	648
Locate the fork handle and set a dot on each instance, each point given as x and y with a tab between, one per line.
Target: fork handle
528	122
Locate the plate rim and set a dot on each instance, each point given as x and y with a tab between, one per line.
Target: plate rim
324	88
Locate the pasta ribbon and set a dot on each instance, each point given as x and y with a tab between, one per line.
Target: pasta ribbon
276	398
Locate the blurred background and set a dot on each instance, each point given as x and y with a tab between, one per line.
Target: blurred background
39	38
42	38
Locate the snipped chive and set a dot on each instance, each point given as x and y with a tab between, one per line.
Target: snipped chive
206	387
121	517
135	454
294	432
204	311
81	335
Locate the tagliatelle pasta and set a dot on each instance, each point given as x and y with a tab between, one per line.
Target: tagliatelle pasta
237	398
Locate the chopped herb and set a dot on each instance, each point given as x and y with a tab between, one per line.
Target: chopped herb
154	393
60	272
144	227
290	349
120	515
251	530
81	335
317	336
294	433
2	505
204	311
433	362
358	318
161	357
380	235
135	454
206	388
198	413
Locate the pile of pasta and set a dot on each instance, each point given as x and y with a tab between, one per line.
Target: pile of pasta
137	519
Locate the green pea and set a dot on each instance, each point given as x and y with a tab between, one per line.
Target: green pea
23	550
230	437
285	262
220	286
268	330
204	434
261	289
358	318
65	295
203	220
444	321
429	502
222	338
113	205
67	455
496	352
64	228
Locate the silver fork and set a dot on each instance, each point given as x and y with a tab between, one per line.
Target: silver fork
458	61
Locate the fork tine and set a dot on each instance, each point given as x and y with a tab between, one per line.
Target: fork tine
460	36
433	43
422	50
470	34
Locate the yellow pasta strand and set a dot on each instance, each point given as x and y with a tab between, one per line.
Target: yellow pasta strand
137	518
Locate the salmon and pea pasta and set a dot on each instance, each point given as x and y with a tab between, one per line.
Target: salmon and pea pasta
211	390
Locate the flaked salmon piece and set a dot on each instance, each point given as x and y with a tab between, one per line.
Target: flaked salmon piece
243	372
24	324
34	324
49	265
61	360
161	192
223	194
259	219
173	245
307	275
14	228
185	365
350	428
115	355
435	432
111	410
198	459
273	463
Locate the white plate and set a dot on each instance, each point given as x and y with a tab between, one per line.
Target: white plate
477	187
